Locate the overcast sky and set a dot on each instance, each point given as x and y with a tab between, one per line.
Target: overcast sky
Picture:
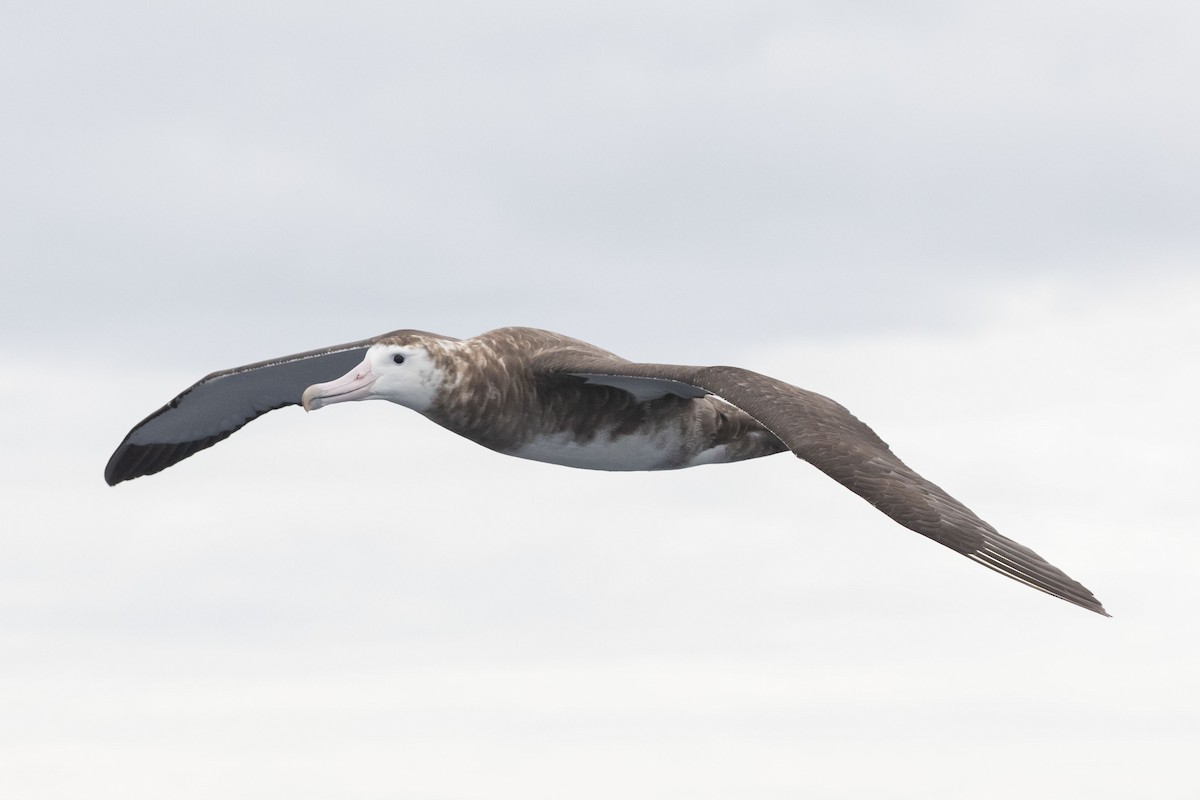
974	224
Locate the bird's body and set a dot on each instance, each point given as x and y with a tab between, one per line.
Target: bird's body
540	395
489	390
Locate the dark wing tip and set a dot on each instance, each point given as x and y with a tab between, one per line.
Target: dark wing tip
135	460
221	403
1018	562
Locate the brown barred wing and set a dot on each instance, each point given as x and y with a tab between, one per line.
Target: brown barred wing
829	437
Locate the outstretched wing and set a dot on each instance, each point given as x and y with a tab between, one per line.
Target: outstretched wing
222	402
832	439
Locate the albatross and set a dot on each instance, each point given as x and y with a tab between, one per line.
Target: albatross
540	395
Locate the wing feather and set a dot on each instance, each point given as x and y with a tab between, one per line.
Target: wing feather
832	439
219	404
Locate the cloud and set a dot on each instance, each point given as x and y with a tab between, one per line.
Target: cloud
972	227
422	599
821	167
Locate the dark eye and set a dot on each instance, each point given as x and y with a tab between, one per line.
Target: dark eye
399	359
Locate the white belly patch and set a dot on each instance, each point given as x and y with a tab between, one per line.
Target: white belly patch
632	452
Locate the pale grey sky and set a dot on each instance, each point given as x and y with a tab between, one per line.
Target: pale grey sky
824	167
974	224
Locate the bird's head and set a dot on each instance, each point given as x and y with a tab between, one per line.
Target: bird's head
401	369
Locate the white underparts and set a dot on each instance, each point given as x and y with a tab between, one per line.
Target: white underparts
634	452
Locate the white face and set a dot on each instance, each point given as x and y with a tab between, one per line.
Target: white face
404	374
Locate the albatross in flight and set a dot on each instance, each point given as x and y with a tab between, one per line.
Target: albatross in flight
540	395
